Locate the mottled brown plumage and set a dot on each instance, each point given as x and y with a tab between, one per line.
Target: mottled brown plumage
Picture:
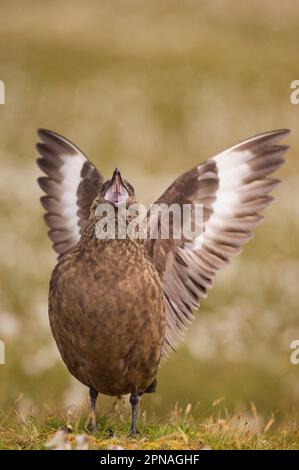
107	314
117	306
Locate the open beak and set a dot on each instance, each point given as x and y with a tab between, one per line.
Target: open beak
117	191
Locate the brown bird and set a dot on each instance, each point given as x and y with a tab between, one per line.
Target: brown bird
116	306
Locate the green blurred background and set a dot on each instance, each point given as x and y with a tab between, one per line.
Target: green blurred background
153	87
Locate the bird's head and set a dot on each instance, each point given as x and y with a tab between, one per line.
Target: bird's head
115	200
117	191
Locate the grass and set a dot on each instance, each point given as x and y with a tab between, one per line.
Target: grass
153	88
178	431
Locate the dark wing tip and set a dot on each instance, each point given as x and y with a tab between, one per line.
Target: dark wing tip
51	137
42	182
42	133
261	141
281	131
40	147
276	132
57	142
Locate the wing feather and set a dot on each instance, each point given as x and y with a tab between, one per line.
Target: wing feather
234	188
71	184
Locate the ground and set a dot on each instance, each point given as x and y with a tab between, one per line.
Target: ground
153	88
179	430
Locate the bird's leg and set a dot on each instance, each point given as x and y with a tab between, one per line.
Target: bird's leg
134	399
91	426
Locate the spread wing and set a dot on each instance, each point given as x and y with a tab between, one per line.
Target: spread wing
71	185
233	188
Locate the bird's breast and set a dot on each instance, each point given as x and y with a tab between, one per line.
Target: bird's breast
107	308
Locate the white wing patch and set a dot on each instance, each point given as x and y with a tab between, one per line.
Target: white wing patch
71	174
